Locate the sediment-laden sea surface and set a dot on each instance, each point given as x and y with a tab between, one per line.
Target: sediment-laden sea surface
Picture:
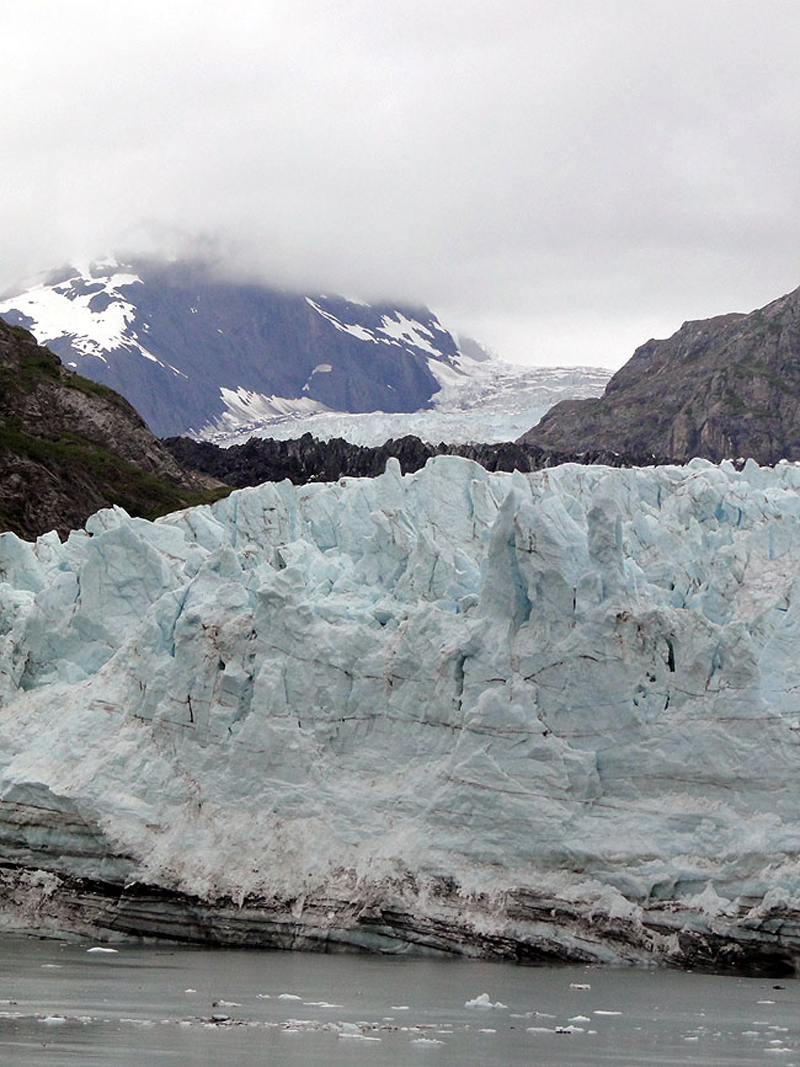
84	1003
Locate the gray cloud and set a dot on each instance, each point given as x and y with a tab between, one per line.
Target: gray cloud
564	178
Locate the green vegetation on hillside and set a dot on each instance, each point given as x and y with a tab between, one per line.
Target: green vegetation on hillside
38	364
61	458
73	459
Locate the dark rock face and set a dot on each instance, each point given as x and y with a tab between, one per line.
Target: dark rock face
69	446
188	334
329	921
722	387
307	459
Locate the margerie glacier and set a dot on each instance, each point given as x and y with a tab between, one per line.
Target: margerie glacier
551	716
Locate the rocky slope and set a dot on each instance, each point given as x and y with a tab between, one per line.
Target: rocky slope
69	446
536	717
726	386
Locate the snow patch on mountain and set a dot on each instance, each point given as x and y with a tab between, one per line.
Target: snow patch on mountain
397	328
92	312
409	330
243	404
360	332
86	307
453	709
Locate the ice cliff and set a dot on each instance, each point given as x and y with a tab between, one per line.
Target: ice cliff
550	716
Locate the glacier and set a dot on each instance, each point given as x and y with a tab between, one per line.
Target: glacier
552	716
487	401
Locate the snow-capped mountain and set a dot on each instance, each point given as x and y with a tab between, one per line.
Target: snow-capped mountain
545	716
194	353
185	347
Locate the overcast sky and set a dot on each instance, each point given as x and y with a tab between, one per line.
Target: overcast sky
563	179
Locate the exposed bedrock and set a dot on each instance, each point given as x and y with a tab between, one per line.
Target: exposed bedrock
310	459
534	717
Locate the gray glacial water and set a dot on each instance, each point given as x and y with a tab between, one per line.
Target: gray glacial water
153	1004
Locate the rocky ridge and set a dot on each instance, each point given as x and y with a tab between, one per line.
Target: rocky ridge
307	459
728	386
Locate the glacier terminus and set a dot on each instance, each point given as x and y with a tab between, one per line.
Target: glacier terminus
540	717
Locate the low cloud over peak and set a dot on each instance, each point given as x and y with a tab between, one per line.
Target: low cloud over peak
560	179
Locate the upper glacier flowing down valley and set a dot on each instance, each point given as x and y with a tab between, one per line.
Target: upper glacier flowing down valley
552	716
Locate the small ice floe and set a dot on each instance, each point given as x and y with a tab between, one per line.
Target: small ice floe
318	1004
190	990
54	1020
102	948
580	1019
261	996
569	1029
355	1031
539	1030
693	1038
227	1004
579	985
485	1030
399	1007
483	1002
426	1041
288	996
599	1011
51	966
765	1002
751	1033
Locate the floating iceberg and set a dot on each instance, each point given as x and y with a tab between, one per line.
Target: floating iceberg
483	1002
550	716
